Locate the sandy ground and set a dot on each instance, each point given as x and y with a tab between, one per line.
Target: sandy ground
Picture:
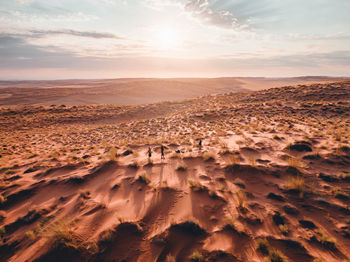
271	181
134	91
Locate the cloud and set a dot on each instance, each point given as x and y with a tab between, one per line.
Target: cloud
160	4
29	34
334	36
17	55
91	34
201	10
24	2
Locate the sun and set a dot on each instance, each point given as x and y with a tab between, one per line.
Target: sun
168	38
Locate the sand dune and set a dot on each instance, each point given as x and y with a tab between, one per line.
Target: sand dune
270	182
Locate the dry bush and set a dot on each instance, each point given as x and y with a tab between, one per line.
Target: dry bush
208	157
297	184
263	246
284	229
181	167
143	178
112	154
241	198
295	162
233	160
276	256
252	161
197	257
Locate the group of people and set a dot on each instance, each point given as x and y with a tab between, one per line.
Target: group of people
161	152
162	155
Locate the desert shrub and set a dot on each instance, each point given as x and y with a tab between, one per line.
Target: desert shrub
84	194
2	199
338	193
197	257
30	234
149	162
2	232
324	240
263	246
208	157
181	167
297	184
345	176
9	172
143	178
112	154
284	229
134	165
233	160
241	198
252	161
176	155
276	256
295	162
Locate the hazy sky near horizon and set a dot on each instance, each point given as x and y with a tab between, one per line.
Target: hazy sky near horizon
54	39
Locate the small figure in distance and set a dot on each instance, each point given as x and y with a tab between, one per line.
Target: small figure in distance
149	153
162	152
200	144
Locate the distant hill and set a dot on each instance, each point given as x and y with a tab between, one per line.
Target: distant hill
134	90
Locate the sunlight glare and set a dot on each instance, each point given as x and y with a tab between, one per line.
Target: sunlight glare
167	38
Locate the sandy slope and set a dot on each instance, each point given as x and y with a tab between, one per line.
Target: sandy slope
76	184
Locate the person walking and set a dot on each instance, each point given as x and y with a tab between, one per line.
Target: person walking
162	152
200	144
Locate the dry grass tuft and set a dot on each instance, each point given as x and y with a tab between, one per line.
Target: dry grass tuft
181	167
297	184
197	257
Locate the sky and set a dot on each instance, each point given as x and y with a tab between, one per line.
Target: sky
65	39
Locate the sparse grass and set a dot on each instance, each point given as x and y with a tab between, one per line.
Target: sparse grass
84	194
241	198
297	184
345	176
143	178
252	161
134	165
324	240
233	160
149	162
208	157
2	199
263	246
193	183
112	154
30	234
197	257
120	219
284	229
295	162
276	256
2	232
181	167
9	172
176	155
196	185
338	193
60	233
